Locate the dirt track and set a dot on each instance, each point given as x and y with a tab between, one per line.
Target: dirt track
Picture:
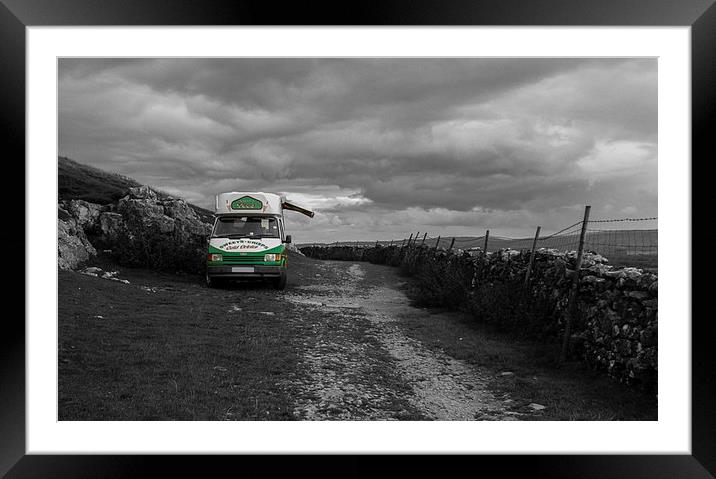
356	296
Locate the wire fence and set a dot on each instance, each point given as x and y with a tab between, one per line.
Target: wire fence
623	241
634	246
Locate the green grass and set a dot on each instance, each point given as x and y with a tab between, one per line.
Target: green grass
174	354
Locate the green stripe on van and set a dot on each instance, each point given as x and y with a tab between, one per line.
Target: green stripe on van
278	249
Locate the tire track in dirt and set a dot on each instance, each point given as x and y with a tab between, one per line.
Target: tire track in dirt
345	373
438	386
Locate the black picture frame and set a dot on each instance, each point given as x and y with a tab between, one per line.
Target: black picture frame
15	15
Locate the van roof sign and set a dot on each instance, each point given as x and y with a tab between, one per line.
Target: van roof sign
255	202
246	203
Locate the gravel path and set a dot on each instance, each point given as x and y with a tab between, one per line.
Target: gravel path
357	342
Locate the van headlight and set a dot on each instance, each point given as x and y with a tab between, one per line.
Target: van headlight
215	257
271	257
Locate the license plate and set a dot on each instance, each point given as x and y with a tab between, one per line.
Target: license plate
242	269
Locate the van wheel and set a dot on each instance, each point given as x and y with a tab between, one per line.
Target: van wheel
280	283
211	283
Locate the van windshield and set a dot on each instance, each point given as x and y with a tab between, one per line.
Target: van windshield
246	227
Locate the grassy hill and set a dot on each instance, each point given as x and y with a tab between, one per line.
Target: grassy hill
76	181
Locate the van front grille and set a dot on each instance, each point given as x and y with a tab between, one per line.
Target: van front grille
242	259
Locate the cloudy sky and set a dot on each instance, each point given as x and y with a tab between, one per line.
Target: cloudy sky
379	148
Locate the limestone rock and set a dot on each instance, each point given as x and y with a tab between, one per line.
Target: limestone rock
149	229
143	228
73	248
111	224
85	213
143	209
176	208
142	193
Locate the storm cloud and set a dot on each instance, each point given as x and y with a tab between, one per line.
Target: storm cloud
378	147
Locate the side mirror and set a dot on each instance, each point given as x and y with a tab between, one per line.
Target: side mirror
288	239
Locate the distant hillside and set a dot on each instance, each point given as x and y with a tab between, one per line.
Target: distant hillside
76	181
638	248
609	242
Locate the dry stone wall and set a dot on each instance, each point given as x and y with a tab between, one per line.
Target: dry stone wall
616	327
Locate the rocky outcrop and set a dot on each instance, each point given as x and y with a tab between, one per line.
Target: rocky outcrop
111	224
146	228
163	213
147	211
143	228
86	214
178	209
73	247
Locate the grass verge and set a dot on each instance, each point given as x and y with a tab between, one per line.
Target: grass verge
165	347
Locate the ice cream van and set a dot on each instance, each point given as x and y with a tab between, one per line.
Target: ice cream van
249	238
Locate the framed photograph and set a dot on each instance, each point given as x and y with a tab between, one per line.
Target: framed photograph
403	229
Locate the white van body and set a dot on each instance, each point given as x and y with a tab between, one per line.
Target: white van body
248	238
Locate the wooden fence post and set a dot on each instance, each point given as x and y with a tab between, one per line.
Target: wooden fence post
452	243
437	243
487	236
415	241
532	257
409	239
572	304
391	243
424	236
